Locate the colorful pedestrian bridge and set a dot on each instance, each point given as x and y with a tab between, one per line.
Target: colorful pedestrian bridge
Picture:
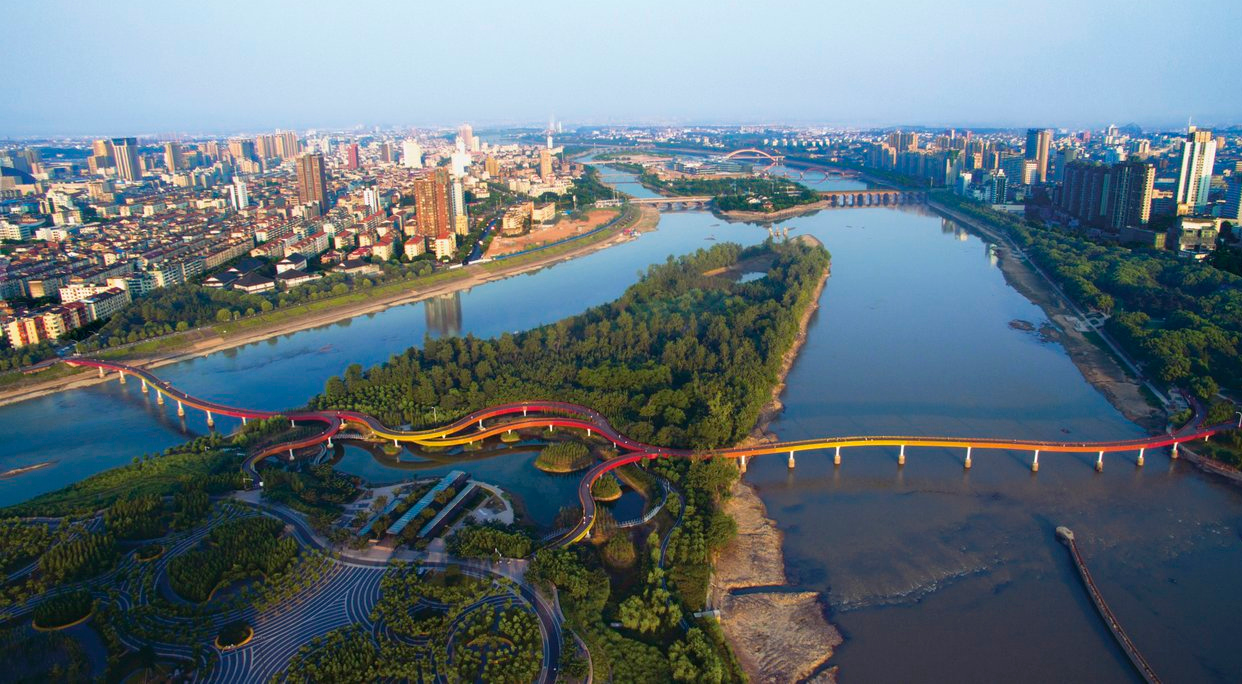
550	415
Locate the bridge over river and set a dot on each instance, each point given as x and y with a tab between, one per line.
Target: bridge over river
550	415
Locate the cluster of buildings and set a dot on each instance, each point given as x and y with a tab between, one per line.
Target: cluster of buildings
130	216
1162	190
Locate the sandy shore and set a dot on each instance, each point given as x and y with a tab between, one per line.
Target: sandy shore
1097	366
765	217
212	342
778	636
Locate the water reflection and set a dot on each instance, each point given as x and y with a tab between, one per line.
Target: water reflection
444	315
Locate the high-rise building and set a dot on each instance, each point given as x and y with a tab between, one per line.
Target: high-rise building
239	197
545	164
431	202
385	152
241	149
287	146
491	166
351	157
1195	178
466	133
173	160
411	154
1038	140
1109	197
312	181
125	153
1065	156
371	198
461	220
1129	194
1233	201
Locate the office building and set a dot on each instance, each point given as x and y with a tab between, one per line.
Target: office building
125	155
312	181
1194	180
466	135
351	157
1038	141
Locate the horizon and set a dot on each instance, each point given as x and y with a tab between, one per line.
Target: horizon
977	65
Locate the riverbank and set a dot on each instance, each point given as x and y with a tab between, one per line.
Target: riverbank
1097	365
777	635
210	341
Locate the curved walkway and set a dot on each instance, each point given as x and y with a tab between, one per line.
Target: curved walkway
555	414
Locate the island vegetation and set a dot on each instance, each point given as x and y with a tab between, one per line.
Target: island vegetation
682	359
744	193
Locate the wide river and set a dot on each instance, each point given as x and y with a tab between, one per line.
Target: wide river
933	573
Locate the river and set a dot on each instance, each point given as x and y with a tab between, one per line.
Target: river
931	572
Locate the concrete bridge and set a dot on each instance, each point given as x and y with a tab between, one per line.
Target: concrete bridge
876	197
550	415
674	203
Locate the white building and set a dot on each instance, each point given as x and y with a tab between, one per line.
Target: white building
238	196
411	154
1195	178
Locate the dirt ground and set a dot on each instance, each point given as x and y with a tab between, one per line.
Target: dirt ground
558	231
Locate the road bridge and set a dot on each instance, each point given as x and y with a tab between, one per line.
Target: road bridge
876	197
497	420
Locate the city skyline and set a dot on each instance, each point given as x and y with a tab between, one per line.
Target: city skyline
974	64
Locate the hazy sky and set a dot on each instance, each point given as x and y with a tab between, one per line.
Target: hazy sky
113	68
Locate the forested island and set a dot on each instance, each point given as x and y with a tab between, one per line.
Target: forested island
682	359
733	193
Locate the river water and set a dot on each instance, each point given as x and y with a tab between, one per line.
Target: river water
933	573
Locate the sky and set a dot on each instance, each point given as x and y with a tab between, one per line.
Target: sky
138	68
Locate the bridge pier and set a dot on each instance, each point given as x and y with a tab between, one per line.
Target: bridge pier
211	422
245	421
791	460
588	432
523	411
480	423
329	442
836	457
101	373
122	374
966	463
1140	458
1174	455
180	410
1099	463
901	456
159	397
742	464
292	423
291	454
144	386
1035	463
